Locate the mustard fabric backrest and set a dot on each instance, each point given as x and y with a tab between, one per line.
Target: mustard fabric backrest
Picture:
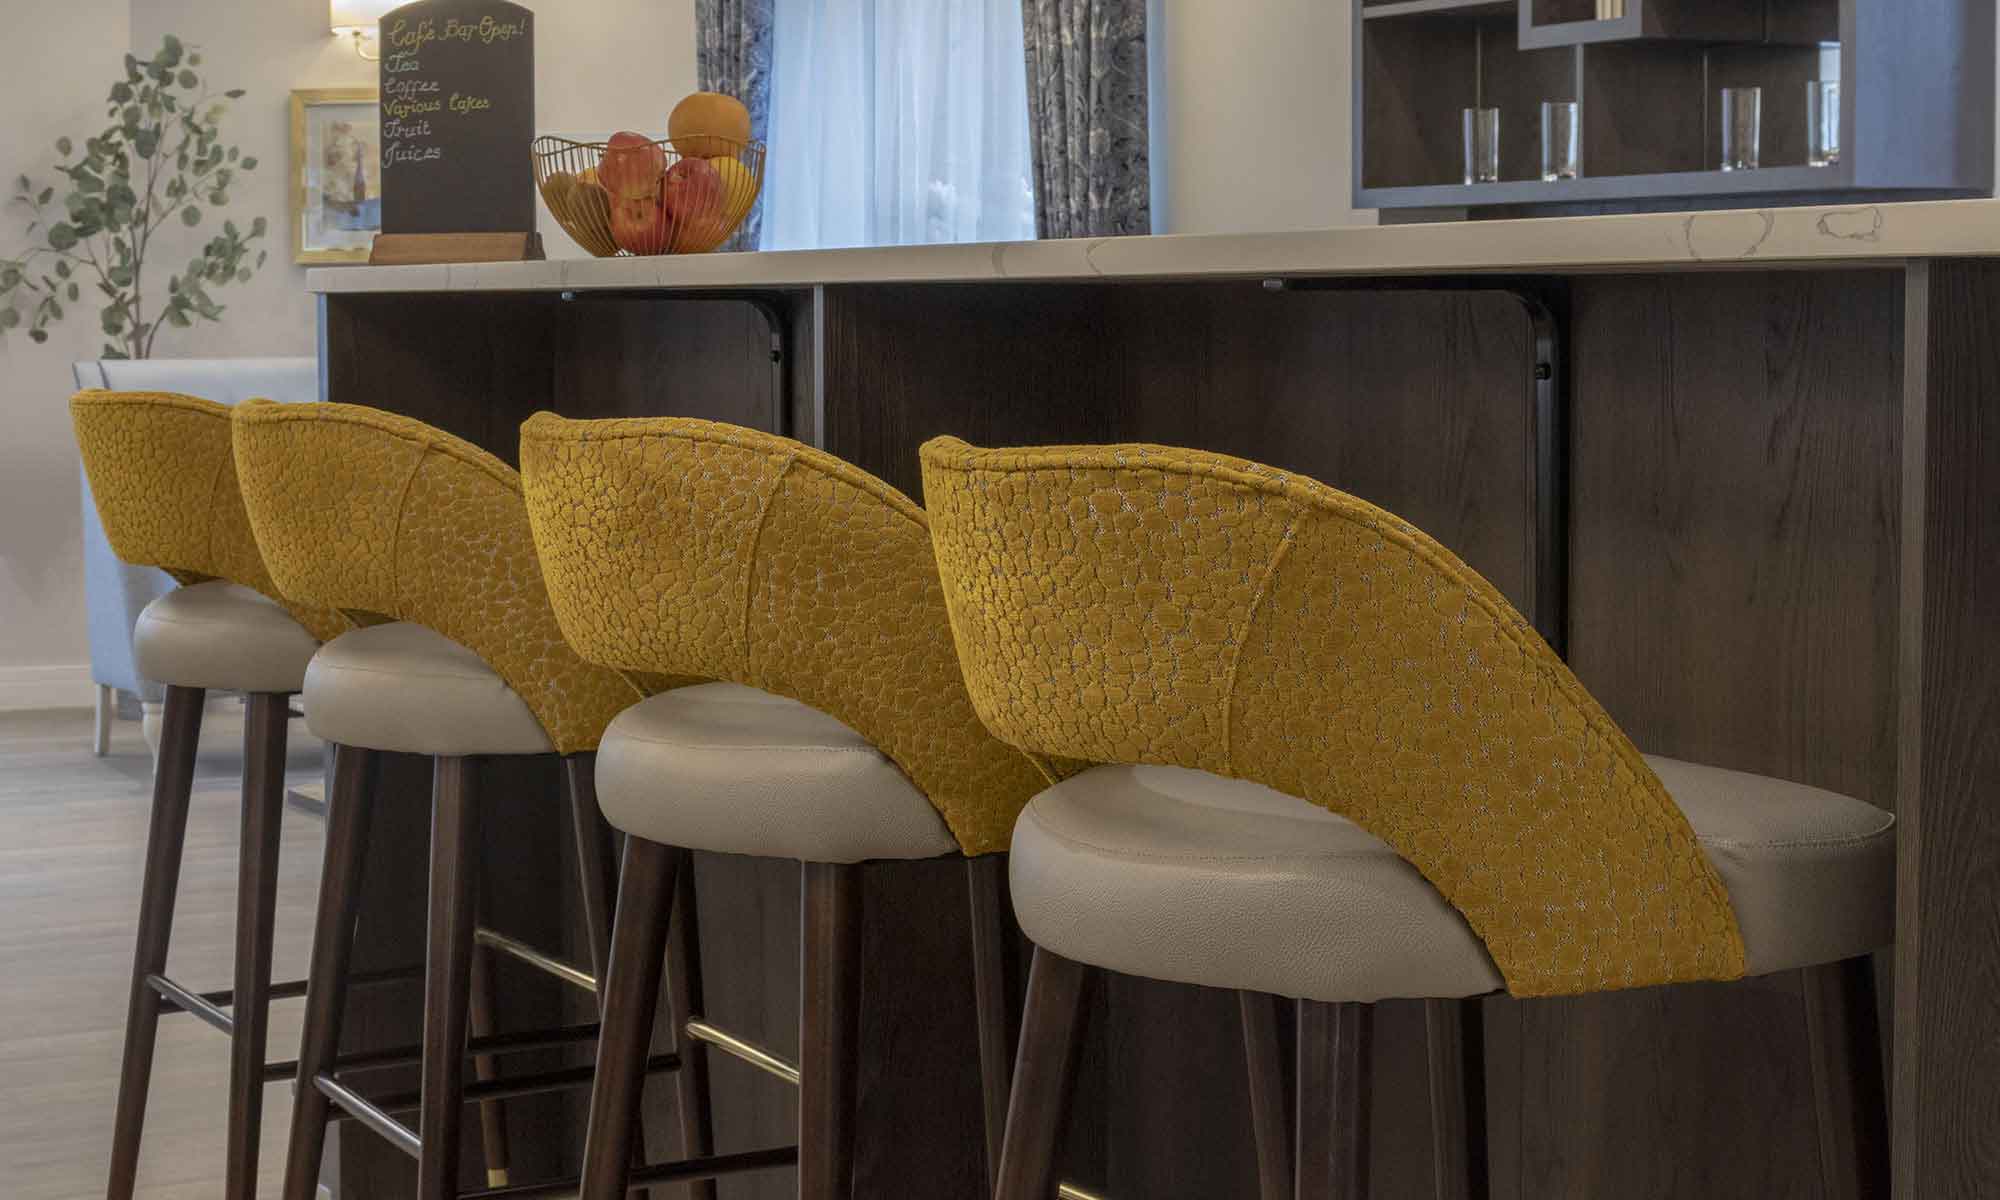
385	517
164	479
1148	605
687	547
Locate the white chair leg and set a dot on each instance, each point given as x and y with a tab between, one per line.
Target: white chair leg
107	712
149	726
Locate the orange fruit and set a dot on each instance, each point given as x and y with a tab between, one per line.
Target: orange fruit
707	125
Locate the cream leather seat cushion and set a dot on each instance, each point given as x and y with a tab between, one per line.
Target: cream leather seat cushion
723	767
221	636
409	689
1186	876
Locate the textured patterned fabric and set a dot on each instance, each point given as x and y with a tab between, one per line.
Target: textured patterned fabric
387	518
1087	105
165	482
1138	604
691	548
732	55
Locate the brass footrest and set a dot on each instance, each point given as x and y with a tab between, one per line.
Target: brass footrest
736	1047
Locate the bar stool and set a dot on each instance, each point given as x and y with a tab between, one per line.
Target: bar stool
423	539
841	732
160	468
1340	767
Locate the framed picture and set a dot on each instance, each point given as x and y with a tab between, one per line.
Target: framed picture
336	174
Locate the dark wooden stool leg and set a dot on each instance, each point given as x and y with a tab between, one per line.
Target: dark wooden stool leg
447	974
173	781
600	893
994	965
1353	1089
627	994
684	1000
1044	1077
829	1028
1849	1103
1458	1097
1265	1060
266	722
349	809
486	1067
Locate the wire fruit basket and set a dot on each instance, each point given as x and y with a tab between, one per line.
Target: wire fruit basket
646	197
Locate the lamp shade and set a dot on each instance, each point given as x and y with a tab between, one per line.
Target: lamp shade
359	14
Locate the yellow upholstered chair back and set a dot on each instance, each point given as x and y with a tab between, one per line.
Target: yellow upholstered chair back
164	480
387	518
685	547
1136	604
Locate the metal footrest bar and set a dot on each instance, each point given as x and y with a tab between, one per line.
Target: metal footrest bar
713	1167
292	989
736	1047
548	964
1069	1191
353	1104
182	1000
411	1055
523	1085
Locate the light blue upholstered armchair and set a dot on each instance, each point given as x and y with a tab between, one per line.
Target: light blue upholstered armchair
114	592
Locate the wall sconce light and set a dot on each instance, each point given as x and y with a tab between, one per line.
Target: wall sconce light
359	19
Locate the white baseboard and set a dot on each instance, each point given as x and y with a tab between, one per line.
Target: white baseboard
46	687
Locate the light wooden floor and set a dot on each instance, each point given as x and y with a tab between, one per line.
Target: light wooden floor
72	842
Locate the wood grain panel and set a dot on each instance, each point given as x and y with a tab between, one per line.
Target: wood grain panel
1947	1059
1733	602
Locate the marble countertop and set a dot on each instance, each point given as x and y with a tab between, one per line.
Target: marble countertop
1776	236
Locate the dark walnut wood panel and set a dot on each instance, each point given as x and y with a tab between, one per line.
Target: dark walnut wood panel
1947	1100
1420	402
1734	602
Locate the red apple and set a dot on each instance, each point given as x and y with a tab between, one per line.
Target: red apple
631	166
692	191
639	224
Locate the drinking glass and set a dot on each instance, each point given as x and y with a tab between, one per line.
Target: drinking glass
1482	145
1823	123
1562	140
1742	127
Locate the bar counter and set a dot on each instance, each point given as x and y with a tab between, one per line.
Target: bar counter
1742	468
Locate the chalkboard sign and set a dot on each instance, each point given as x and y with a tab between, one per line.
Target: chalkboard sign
458	117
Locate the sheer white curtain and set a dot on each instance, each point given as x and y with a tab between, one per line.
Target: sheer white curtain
897	121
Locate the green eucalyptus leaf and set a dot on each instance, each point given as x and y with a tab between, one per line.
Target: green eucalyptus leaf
145	142
261	256
48	194
249	162
191	216
243	276
10	278
235	93
187	79
10	318
74	293
63	270
38	336
65	147
61	236
194	60
178	318
112	321
258	226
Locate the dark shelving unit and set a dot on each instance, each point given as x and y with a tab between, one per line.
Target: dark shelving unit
1917	99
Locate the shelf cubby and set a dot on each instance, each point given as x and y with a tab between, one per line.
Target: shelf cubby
1917	99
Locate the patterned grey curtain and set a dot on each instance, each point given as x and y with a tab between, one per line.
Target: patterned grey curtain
733	56
1087	113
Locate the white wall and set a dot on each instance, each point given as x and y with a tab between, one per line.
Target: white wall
601	65
51	86
1251	129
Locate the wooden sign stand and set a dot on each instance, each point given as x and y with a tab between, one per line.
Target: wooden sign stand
406	249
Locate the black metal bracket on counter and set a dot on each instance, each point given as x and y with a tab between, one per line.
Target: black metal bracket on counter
1545	302
771	306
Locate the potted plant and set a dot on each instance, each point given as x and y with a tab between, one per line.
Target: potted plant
160	161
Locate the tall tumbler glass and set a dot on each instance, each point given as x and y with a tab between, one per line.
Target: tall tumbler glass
1742	127
1823	123
1562	140
1482	145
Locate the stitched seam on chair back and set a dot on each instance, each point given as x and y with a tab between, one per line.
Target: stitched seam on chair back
747	568
1242	636
396	534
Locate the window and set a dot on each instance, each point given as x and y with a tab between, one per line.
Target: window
897	121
